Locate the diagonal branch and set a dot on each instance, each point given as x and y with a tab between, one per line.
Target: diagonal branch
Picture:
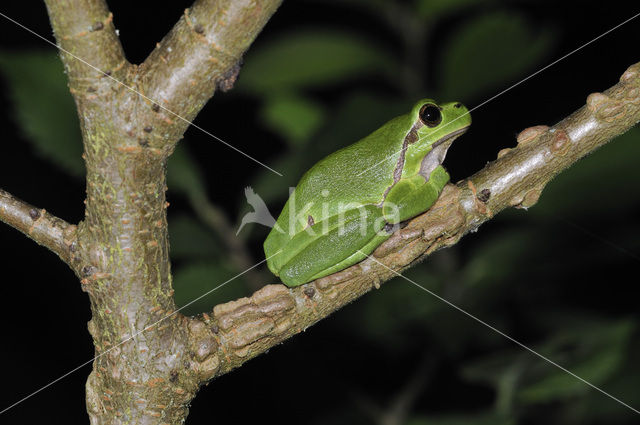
44	228
84	28
203	52
242	329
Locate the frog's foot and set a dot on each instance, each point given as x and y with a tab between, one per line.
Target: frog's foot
392	228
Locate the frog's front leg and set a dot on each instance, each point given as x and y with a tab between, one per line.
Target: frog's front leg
328	249
412	196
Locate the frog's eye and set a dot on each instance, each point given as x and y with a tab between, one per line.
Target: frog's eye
430	115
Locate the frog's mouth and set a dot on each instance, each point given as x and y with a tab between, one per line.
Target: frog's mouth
437	154
451	137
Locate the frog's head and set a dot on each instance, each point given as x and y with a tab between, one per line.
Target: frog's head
436	123
434	127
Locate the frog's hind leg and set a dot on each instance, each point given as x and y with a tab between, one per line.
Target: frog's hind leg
339	247
357	256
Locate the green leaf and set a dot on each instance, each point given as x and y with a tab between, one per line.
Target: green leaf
192	282
359	114
183	173
190	240
310	58
43	107
597	351
434	9
489	53
272	187
499	258
393	317
295	118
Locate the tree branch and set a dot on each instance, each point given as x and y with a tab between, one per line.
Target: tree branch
142	372
85	29
242	329
201	53
44	228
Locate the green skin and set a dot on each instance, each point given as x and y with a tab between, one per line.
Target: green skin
348	203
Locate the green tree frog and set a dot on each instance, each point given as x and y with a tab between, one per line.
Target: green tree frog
350	202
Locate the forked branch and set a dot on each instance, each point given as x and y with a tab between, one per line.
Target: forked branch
203	52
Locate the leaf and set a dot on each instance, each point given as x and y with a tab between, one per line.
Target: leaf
200	286
490	52
295	118
183	173
43	107
358	115
310	58
434	9
500	257
190	240
386	317
271	187
596	353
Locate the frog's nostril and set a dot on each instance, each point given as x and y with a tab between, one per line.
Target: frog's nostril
457	105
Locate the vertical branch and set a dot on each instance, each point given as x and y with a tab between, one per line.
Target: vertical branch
84	29
147	365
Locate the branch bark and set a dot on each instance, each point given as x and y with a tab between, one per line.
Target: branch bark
84	29
242	329
44	228
202	52
142	372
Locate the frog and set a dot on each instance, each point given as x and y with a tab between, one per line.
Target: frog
353	200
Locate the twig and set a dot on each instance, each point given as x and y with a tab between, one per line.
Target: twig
238	253
44	228
397	410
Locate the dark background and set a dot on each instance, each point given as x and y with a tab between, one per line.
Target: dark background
561	277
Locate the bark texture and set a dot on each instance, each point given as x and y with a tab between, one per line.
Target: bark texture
132	117
151	360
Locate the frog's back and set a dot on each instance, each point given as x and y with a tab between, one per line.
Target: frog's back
356	173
